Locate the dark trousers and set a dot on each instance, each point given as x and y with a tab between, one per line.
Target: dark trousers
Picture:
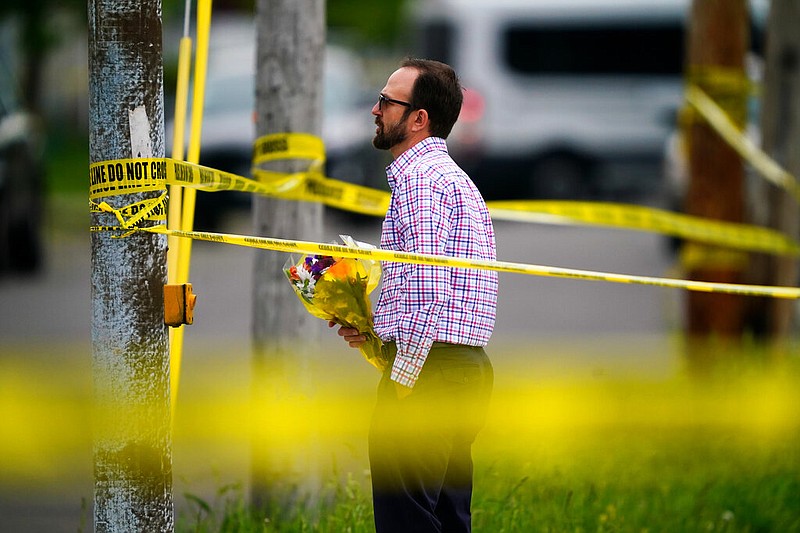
420	447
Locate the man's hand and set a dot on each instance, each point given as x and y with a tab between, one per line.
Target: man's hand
353	337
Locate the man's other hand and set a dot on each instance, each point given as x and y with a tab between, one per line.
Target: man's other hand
353	337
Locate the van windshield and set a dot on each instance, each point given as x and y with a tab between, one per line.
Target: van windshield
594	50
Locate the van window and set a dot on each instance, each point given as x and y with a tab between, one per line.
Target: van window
596	50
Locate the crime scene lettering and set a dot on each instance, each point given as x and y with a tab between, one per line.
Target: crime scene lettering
183	173
206	176
260	242
328	191
116	172
277	144
158	170
137	170
211	237
97	175
156	210
270	242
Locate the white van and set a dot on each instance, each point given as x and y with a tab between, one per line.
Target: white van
566	98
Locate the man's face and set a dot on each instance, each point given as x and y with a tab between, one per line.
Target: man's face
392	110
390	135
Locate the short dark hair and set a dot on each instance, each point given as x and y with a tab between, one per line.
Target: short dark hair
438	91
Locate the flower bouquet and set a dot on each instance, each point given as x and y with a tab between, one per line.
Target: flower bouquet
337	289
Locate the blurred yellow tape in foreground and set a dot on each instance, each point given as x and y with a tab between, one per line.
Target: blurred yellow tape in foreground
292	246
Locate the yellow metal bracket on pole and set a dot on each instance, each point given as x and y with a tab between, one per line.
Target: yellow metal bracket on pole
179	302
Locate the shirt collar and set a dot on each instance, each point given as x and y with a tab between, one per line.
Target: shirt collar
404	160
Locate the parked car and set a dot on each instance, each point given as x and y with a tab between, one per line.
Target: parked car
229	112
21	182
566	98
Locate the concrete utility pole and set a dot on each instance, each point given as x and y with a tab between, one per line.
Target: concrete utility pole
132	451
780	128
289	73
717	43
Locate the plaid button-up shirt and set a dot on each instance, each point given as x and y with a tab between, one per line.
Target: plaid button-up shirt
435	209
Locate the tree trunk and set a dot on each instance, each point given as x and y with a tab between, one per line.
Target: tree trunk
717	42
132	450
773	318
289	72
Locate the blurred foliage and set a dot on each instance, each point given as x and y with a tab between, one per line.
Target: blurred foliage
366	21
371	22
38	34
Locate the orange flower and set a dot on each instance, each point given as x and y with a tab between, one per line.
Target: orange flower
340	269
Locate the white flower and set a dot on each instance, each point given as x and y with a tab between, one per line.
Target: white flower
304	275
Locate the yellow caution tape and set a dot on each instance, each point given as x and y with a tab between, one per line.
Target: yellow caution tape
624	216
132	214
746	148
307	247
139	175
694	257
723	81
282	146
126	176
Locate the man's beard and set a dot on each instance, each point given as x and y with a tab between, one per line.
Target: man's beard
386	138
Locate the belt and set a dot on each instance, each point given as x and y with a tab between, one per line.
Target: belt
391	346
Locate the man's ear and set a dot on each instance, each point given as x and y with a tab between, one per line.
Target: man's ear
420	117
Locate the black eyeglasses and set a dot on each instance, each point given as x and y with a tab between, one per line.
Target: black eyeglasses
382	99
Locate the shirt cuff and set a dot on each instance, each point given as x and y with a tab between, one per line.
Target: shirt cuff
406	369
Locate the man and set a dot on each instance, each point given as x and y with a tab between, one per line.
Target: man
434	321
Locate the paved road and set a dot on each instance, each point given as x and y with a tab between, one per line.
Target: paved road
55	305
553	323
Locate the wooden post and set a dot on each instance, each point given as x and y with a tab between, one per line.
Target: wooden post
717	42
773	319
289	72
132	450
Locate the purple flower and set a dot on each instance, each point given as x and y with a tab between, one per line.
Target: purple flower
318	264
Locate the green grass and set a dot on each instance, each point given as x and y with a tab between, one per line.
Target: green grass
634	479
610	455
345	508
646	479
